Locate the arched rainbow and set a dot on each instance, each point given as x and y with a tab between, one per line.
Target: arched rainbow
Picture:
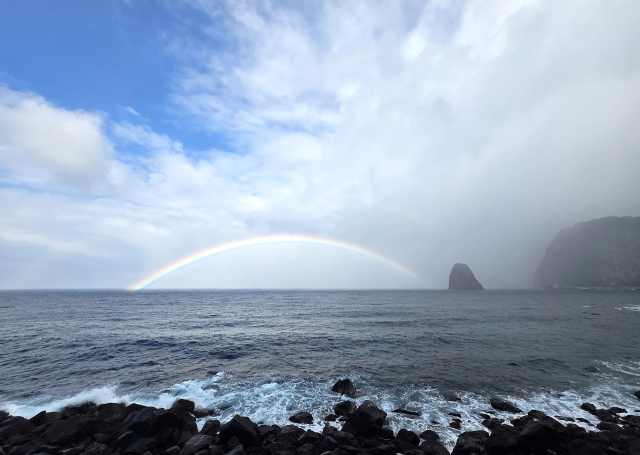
264	240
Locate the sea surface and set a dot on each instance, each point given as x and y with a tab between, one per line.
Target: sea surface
270	354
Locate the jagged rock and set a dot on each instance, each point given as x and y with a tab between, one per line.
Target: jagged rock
344	408
433	447
96	448
502	405
604	252
385	449
15	426
366	420
471	442
637	394
331	418
200	413
385	434
196	443
539	436
309	437
429	434
72	429
408	436
83	408
185	415
345	439
211	427
175	450
32	446
109	412
462	278
301	417
238	450
125	440
189	405
72	451
276	448
140	446
239	426
45	417
344	387
491	423
503	440
307	449
327	444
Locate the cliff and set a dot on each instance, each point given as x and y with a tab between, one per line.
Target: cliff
462	278
599	253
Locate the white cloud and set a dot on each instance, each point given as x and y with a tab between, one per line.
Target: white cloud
43	145
454	132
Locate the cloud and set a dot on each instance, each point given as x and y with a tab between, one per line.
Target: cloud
42	145
434	133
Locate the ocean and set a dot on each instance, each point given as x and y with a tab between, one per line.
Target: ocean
270	354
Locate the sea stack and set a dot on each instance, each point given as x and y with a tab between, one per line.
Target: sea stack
462	278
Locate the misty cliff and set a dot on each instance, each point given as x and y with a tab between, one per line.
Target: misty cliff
599	253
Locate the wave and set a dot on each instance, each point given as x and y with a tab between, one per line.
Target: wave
274	399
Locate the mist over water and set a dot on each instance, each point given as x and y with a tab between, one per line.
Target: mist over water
268	354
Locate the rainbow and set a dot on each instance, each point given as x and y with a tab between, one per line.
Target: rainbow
264	240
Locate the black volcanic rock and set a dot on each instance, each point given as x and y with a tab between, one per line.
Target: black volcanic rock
462	278
599	253
344	387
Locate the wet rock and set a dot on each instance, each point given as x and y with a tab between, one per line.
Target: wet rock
566	419
404	411
607	426
539	436
385	434
455	424
462	278
491	423
276	448
327	444
15	426
265	431
83	408
637	394
196	443
583	420
344	387
384	449
605	416
309	437
405	448
471	442
125	440
4	415
301	417
503	440
185	415
189	405
72	451
211	427
140	446
32	446
345	439
581	447
344	408
616	410
97	449
455	414
239	426
109	412
45	417
429	434
331	418
72	429
366	420
591	409
133	407
175	450
200	413
408	436
238	450
502	405
307	449
433	447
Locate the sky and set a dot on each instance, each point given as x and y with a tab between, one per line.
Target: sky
134	133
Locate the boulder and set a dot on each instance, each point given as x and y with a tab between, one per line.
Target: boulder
140	446
503	440
408	436
73	429
189	405
307	449
15	426
238	450
241	427
471	442
83	408
385	434
429	434
539	436
491	423
109	412
44	417
327	444
196	443
502	405
344	408
433	447
385	449
637	394
344	387
96	448
366	420
404	411
185	415
591	409
301	417
32	446
211	427
331	418
276	448
462	278
124	440
345	439
309	437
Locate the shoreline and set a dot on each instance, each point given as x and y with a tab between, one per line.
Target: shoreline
135	429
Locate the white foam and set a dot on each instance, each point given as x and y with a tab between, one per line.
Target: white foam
274	399
632	308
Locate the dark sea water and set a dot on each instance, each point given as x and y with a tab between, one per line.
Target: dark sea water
269	354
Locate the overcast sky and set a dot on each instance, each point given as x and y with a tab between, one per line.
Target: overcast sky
133	133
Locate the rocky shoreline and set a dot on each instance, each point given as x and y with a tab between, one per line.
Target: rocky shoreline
119	429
